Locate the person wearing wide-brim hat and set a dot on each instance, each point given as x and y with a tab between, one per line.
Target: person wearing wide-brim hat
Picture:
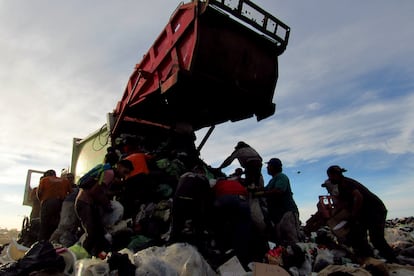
368	215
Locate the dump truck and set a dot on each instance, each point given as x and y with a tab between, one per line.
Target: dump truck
215	61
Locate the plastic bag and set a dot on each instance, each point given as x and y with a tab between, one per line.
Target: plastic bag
69	257
42	255
323	259
274	256
111	218
79	251
121	263
257	214
91	267
16	251
176	259
139	242
343	270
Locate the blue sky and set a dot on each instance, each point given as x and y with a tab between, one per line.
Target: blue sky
344	94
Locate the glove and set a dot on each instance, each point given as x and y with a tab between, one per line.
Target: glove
258	194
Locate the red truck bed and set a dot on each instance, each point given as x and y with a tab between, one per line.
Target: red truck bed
206	67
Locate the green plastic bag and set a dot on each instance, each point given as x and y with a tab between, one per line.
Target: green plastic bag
79	251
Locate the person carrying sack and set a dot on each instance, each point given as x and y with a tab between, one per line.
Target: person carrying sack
93	196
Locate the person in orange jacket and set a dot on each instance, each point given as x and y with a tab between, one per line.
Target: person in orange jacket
51	192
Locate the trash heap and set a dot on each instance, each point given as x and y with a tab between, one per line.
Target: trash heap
319	255
139	229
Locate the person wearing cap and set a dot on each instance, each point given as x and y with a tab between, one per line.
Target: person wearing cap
283	212
368	215
138	187
251	162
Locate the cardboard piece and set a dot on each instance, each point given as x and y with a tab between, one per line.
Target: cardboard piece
231	268
338	223
261	269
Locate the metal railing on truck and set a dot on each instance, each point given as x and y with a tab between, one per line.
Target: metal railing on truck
252	14
206	67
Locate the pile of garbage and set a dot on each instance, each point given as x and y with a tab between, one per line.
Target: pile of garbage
139	229
321	254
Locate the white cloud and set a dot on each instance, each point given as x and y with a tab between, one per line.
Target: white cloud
314	106
384	126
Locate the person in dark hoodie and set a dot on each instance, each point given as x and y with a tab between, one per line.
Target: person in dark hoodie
367	215
191	203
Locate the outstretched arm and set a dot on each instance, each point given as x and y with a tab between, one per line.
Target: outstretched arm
267	193
228	160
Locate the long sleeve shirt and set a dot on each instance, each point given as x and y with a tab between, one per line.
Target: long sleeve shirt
244	155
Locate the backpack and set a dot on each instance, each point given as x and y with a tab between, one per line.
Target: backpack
95	175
